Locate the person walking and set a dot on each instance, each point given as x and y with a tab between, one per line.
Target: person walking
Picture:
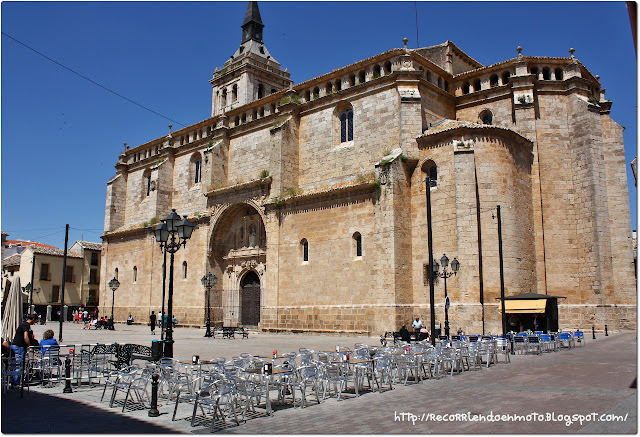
152	323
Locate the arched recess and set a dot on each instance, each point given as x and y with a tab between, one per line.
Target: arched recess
237	244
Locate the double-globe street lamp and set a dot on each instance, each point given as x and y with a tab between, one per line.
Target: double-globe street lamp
113	285
208	281
455	265
165	234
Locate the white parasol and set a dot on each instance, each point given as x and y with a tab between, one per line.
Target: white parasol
12	315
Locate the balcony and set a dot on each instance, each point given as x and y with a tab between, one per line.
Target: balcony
70	278
94	281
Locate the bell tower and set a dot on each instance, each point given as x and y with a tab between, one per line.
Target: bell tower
250	73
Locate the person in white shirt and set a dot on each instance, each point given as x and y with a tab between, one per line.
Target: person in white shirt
417	325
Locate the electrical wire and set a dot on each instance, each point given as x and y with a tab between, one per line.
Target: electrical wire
90	80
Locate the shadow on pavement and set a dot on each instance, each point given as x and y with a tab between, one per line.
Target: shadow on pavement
41	413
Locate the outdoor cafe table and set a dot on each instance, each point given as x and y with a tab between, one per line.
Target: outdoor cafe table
277	372
357	369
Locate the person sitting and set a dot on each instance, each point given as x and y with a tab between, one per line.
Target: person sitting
90	324
101	323
174	321
130	320
404	333
47	339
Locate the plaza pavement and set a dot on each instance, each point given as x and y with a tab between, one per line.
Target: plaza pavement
586	382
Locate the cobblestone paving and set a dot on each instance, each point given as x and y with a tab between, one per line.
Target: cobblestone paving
592	379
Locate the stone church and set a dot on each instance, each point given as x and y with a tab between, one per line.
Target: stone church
309	199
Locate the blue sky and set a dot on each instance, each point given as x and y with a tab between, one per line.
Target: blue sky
61	135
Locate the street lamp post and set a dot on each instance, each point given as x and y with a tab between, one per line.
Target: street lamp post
165	234
455	265
208	281
29	289
113	285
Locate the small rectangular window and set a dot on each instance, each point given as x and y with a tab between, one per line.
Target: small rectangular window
44	272
69	276
55	294
93	277
94	259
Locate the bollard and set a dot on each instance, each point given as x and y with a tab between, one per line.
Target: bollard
593	332
153	412
67	376
606	331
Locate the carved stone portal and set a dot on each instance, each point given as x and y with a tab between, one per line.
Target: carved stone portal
239	250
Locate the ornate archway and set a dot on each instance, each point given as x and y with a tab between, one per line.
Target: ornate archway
238	252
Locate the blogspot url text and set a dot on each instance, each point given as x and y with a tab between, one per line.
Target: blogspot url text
567	419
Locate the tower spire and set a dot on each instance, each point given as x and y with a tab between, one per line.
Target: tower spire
252	25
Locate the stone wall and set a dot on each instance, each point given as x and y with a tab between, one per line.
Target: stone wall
555	165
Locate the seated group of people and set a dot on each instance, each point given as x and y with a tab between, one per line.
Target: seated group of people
420	333
95	323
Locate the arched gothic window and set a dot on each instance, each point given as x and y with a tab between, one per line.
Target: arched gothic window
196	169
184	269
146	183
135	273
357	242
346	125
304	246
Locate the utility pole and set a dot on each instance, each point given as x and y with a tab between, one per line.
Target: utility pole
430	268
504	316
64	279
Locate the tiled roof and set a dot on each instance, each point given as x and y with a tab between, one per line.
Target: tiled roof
25	243
54	251
89	245
450	125
13	260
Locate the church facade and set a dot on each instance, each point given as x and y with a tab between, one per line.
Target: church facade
309	199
